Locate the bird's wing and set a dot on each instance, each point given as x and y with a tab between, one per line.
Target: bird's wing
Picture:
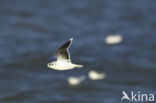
63	53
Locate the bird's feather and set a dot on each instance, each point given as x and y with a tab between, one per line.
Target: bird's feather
63	53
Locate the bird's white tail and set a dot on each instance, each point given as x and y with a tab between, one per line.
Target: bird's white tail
78	66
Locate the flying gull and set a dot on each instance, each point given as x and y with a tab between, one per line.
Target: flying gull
63	61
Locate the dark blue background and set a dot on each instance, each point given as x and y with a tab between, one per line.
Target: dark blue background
31	31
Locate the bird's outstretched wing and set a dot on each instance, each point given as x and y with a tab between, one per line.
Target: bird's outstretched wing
63	53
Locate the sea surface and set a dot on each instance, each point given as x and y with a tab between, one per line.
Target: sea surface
32	30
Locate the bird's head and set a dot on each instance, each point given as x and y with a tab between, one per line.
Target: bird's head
50	65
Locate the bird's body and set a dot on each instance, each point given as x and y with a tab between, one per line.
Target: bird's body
63	61
64	65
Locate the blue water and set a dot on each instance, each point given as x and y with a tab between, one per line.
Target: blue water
31	31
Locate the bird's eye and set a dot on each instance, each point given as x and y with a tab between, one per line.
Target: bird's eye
50	64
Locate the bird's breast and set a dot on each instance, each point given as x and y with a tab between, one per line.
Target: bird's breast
64	65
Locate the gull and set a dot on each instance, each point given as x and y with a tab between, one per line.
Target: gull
94	75
76	80
113	39
63	61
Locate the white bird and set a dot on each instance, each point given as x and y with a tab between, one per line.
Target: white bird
94	75
63	61
113	39
76	80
